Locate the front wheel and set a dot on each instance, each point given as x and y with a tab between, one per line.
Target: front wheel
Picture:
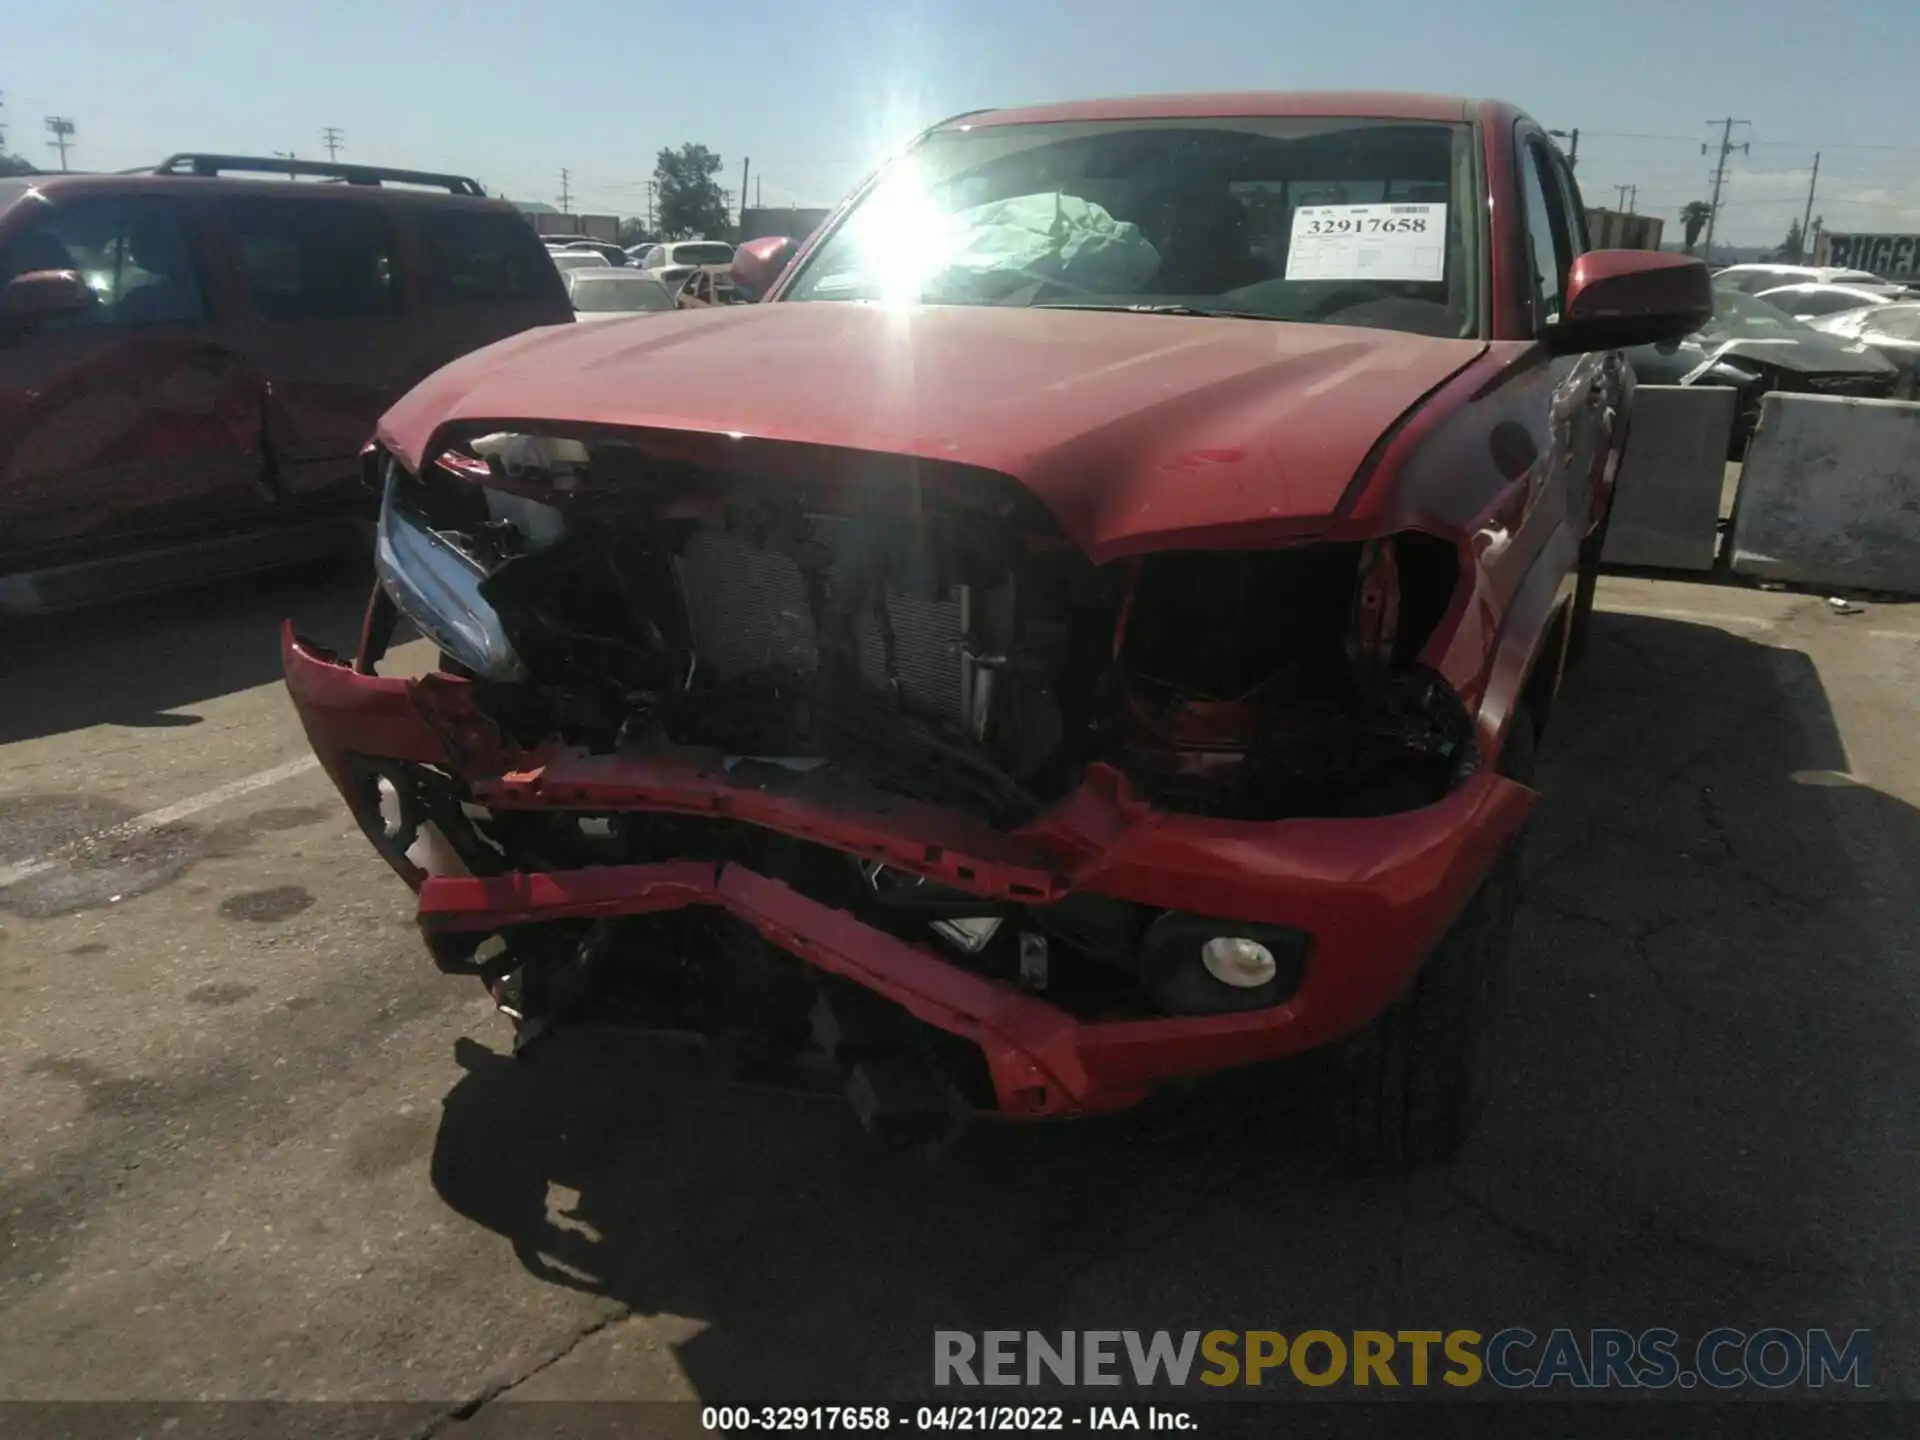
1411	1091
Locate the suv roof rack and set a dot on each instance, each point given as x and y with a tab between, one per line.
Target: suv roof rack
193	163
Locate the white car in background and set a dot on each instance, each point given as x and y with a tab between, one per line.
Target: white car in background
1813	301
568	260
615	293
1893	330
1753	279
672	261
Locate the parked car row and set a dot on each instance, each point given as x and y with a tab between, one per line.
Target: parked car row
1796	328
689	273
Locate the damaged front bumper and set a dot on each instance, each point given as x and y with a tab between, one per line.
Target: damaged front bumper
1372	894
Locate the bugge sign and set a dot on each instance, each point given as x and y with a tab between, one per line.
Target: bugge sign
1893	257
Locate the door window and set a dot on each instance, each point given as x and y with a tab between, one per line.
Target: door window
1548	248
315	259
477	255
133	254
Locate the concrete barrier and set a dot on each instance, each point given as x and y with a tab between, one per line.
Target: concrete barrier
1666	503
1830	494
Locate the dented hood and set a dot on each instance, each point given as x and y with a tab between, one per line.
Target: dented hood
1134	429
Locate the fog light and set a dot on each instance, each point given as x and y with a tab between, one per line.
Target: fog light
1237	961
1190	967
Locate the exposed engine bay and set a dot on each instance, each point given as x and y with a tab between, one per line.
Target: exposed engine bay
916	664
930	633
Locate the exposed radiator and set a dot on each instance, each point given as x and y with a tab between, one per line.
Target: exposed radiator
748	611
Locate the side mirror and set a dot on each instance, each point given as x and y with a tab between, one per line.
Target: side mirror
758	263
43	294
1620	298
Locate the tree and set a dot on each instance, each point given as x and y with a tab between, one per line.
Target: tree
690	200
14	165
1693	217
633	231
1794	248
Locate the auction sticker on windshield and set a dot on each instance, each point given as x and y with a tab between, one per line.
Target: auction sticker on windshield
1368	242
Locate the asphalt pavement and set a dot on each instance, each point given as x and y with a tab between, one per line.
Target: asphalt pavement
254	1147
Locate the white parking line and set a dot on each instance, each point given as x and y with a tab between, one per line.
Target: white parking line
1703	617
154	819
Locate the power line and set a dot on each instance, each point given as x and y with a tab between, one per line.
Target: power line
1775	144
62	129
335	139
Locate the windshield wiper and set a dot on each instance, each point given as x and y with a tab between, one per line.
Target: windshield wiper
1158	309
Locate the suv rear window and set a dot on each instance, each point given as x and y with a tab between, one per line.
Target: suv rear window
314	259
713	252
481	255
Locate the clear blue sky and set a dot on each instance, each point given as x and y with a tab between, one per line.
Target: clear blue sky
813	93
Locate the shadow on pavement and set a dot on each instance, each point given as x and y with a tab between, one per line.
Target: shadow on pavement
1705	1115
133	663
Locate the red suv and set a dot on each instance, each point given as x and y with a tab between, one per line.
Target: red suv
1089	627
190	363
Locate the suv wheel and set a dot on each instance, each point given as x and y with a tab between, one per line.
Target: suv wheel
1410	1092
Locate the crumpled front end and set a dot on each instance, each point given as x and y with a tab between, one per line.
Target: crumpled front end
857	758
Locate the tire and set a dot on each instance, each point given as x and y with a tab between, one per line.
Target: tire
1409	1093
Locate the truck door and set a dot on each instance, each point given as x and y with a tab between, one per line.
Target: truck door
135	419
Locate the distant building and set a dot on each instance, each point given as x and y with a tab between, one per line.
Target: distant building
548	221
1618	230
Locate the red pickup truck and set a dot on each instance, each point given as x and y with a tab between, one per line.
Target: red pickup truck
1090	625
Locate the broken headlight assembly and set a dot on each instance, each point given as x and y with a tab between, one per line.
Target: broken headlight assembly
1263	685
439	538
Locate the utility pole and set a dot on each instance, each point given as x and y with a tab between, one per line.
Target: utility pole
1727	147
744	163
62	130
1806	221
1633	198
650	188
3	127
756	191
1621	203
335	139
566	191
289	157
1572	137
